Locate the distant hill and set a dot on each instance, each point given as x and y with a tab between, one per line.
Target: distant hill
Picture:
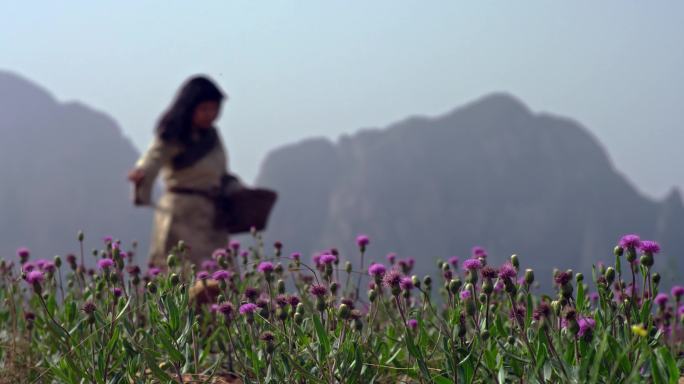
64	168
490	173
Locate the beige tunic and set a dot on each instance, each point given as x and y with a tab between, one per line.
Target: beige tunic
182	216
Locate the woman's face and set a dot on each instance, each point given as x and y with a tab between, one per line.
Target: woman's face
206	113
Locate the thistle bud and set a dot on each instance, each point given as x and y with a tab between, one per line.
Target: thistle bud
171	260
343	311
80	236
58	261
618	251
655	277
427	280
348	267
579	277
151	287
280	285
454	285
372	295
515	261
529	276
175	279
646	260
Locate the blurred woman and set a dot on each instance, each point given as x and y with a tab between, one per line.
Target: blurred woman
189	153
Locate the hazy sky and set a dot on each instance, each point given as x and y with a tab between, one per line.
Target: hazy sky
296	69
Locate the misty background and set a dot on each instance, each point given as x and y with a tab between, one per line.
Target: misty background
544	129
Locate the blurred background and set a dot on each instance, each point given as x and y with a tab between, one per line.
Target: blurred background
542	129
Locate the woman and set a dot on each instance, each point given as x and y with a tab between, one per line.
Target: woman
188	151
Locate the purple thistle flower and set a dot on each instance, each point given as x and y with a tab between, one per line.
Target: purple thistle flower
488	272
594	296
49	267
318	290
478	252
465	294
507	271
392	278
234	245
117	291
296	256
317	260
453	260
649	247
219	253
251	293
35	277
107	240
406	283
630	241
412	323
680	311
248	308
498	286
661	299
265	267
376	269
391	258
221	274
40	263
327	259
105	263
472	264
362	240
209	265
153	271
293	300
202	275
677	291
213	308
28	267
586	324
226	309
562	278
23	253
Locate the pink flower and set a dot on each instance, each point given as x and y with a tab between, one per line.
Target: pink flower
362	241
265	267
248	308
221	274
649	247
35	277
472	264
327	259
105	263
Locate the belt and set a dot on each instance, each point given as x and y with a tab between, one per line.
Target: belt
210	194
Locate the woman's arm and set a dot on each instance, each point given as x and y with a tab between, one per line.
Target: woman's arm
147	168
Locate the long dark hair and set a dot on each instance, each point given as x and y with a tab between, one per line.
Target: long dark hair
176	123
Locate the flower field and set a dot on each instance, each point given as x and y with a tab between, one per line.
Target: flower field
255	314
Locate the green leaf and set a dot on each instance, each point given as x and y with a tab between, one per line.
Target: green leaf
323	340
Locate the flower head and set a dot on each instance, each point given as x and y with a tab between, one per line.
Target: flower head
318	290
406	283
28	267
677	291
105	263
209	265
221	274
630	241
453	260
23	254
226	309
478	252
412	324
586	325
649	247
327	258
472	264
202	275
488	272
562	278
507	271
391	257
35	277
153	271
376	269
248	308
117	292
465	294
392	278
362	241
296	256
661	299
265	267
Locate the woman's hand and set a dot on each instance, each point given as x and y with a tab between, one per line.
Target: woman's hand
136	175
